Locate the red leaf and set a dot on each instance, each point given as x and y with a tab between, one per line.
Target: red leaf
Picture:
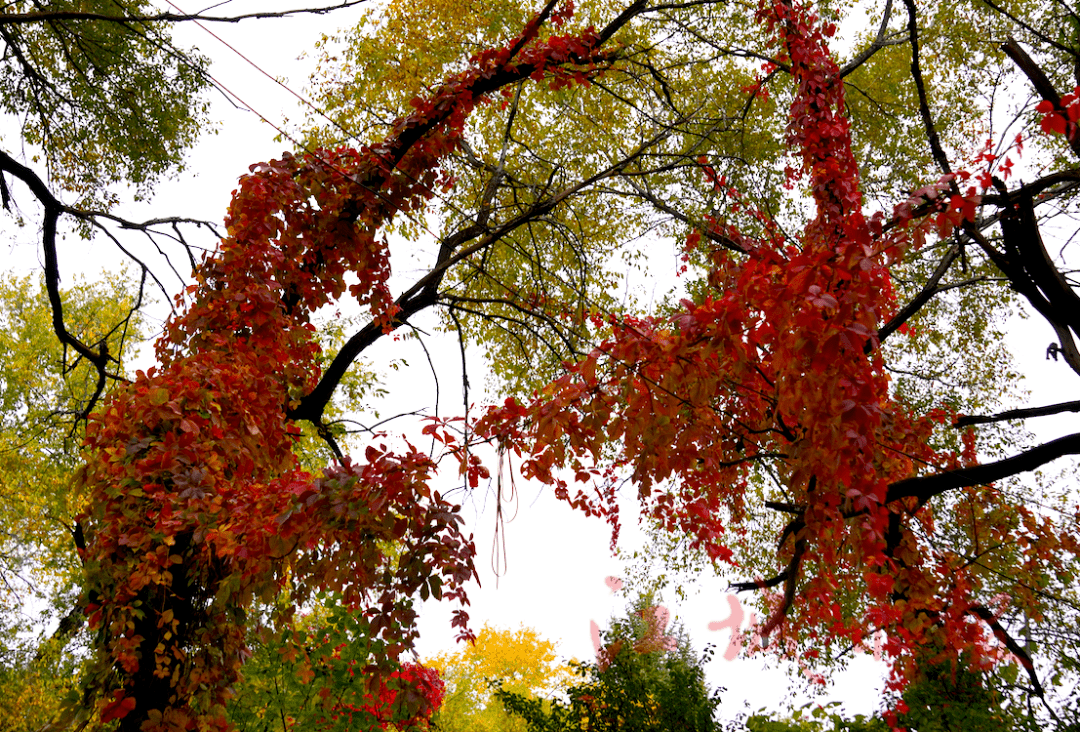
1053	123
119	708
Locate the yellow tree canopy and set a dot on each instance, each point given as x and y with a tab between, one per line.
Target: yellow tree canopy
521	659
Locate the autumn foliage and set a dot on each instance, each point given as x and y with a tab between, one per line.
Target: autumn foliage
197	507
779	363
644	680
426	683
198	513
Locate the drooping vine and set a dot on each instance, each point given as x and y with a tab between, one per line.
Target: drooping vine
197	508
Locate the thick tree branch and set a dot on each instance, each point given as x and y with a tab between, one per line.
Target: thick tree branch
1033	274
924	105
883	40
1050	185
926	487
983	613
97	354
758	584
784	507
1018	414
424	292
631	12
52	210
791	579
1043	86
53	16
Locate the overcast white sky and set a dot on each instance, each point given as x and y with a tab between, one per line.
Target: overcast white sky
556	558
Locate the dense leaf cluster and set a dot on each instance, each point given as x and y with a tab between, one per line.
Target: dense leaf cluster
643	681
87	93
815	408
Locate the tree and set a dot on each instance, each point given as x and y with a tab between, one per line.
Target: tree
622	161
815	721
102	98
39	568
40	394
643	681
84	82
953	696
769	389
197	509
520	661
759	405
303	678
944	696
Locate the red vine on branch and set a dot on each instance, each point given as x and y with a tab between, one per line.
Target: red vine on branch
196	507
778	361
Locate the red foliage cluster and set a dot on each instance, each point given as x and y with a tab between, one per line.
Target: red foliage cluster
425	691
779	362
1062	118
196	506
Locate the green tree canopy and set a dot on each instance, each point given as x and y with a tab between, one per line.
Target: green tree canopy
86	81
644	680
42	394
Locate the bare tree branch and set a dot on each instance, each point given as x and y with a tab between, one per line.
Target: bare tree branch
927	292
883	39
1018	414
925	487
49	16
924	105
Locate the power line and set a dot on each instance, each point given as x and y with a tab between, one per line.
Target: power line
262	71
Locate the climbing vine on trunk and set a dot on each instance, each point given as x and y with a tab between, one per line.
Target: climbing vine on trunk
197	509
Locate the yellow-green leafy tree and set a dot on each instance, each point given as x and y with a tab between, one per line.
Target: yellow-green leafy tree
521	660
42	392
619	159
102	96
